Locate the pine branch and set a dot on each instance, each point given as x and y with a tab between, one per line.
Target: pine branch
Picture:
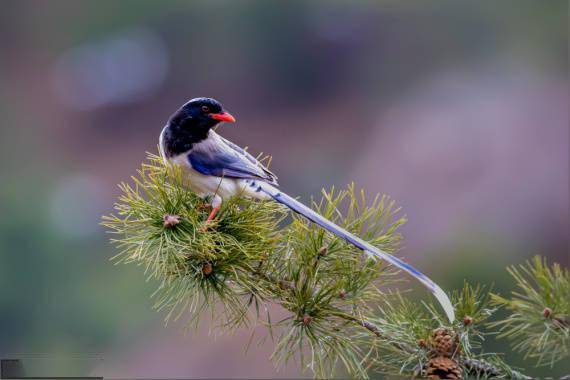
249	258
486	369
340	312
411	339
538	324
475	301
478	368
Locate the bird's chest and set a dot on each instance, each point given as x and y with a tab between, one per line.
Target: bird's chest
196	181
206	184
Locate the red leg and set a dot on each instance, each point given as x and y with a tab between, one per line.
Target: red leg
215	210
213	213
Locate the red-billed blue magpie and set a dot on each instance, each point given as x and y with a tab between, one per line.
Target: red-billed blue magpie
218	168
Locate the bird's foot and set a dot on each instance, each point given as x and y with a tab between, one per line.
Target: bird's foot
206	226
205	206
208	222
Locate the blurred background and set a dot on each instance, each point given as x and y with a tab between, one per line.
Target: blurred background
458	110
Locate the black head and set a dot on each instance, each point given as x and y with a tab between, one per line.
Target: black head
199	115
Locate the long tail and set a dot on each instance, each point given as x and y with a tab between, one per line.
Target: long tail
368	248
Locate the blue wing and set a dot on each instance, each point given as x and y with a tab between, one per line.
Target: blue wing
221	158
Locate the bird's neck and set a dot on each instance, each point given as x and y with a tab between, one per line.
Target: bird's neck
178	140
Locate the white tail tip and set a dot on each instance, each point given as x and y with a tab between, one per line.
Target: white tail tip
445	303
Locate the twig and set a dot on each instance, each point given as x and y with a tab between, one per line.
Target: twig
477	367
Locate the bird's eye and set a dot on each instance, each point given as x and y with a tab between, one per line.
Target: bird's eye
205	108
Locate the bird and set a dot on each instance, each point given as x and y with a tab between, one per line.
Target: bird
216	168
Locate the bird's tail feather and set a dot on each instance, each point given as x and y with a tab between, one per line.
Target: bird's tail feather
368	248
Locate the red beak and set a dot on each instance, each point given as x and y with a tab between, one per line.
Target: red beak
223	116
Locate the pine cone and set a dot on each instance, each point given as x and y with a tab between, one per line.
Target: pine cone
306	319
444	342
207	269
441	367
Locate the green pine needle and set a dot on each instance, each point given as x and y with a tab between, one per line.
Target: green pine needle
340	309
539	320
249	257
181	256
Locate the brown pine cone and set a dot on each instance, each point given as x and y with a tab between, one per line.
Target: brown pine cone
207	269
443	342
307	319
441	367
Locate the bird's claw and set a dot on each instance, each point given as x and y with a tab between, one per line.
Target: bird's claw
206	226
